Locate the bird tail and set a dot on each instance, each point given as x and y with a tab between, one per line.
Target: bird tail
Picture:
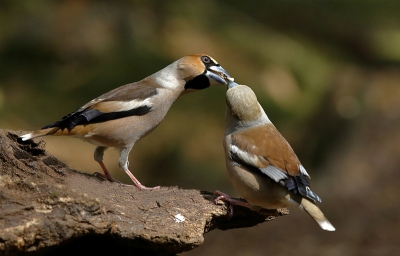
39	133
316	214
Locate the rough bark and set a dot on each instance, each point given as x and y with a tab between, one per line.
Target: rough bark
47	208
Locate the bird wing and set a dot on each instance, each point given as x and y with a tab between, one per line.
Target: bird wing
264	148
127	100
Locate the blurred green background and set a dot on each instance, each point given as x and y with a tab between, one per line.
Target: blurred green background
326	72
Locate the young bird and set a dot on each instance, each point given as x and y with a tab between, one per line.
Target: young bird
128	113
261	164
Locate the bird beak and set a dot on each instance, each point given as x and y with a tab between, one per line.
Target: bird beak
232	84
218	74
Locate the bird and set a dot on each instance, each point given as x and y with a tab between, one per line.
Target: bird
261	164
122	116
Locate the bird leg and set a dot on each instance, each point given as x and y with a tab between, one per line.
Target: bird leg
137	182
124	163
98	157
231	201
106	175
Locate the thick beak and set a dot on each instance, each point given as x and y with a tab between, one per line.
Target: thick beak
218	74
231	84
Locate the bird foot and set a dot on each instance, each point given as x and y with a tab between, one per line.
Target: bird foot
222	196
137	182
141	187
106	177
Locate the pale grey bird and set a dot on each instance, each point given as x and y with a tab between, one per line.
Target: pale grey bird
128	113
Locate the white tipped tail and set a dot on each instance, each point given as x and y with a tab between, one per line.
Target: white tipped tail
326	225
317	215
39	133
26	137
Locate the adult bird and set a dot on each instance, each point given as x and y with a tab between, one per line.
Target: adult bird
120	117
261	164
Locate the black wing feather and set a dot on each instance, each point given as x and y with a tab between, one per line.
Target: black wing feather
300	184
89	116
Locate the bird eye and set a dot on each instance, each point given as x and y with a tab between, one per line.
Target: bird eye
205	59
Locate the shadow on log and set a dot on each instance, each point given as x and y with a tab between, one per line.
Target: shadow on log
47	208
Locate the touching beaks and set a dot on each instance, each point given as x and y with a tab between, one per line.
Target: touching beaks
232	84
218	74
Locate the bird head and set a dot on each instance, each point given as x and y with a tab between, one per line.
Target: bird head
242	103
201	71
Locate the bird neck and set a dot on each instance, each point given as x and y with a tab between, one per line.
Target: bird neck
234	124
168	78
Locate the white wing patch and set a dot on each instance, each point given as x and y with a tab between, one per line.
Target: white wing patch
119	106
303	171
271	171
128	105
274	173
245	157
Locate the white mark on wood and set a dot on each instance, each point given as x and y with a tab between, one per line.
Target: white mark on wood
179	218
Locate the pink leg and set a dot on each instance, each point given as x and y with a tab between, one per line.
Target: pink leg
136	181
231	201
106	174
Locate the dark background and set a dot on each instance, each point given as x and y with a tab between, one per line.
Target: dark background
326	72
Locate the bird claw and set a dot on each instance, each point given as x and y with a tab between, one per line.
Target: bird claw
141	187
231	201
137	185
105	177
